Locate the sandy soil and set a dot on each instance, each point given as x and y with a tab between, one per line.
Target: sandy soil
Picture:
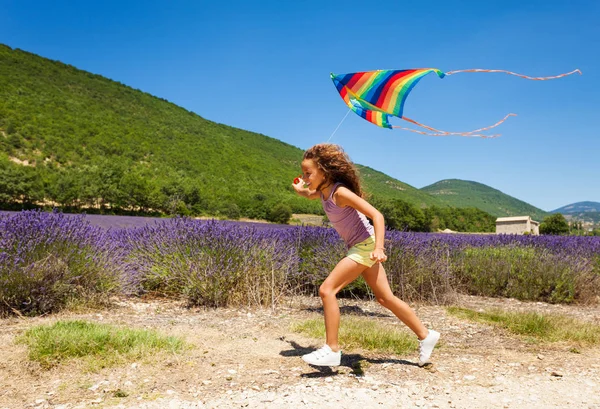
251	358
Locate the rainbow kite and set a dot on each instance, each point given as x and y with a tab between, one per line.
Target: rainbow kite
377	95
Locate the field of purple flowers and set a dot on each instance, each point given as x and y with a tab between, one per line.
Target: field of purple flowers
48	260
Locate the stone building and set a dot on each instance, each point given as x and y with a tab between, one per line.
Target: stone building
517	225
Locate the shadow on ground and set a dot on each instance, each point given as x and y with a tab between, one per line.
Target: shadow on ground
352	310
355	362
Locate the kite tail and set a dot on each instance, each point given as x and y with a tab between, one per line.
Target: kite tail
516	74
492	126
468	135
438	132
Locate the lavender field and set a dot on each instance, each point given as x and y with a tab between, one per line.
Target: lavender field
48	260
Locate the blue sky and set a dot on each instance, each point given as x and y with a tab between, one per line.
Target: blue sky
264	66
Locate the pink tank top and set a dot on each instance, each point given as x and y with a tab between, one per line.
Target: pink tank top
350	224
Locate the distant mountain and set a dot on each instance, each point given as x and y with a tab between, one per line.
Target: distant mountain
464	193
584	211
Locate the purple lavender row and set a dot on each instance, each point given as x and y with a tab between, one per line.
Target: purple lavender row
50	259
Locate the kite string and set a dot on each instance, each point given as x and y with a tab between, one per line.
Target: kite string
338	127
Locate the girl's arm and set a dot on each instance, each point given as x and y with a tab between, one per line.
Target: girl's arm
304	191
345	197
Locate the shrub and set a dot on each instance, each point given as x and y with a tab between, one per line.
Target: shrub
210	263
232	211
280	213
49	259
318	250
525	273
418	267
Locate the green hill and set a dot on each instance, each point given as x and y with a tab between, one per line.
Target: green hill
79	140
381	185
463	193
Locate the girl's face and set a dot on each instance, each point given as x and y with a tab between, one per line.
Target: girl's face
313	177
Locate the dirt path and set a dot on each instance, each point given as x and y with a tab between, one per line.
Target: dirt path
250	358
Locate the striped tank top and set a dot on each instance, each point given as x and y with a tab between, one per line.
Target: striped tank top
352	226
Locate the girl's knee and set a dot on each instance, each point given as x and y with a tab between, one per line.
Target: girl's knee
385	301
325	291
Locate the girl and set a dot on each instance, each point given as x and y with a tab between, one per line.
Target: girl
329	175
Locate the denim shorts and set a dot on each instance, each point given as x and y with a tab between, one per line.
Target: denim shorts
361	252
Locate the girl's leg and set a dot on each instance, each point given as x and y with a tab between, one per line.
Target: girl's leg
343	274
377	280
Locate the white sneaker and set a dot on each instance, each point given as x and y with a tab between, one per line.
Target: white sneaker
426	347
323	356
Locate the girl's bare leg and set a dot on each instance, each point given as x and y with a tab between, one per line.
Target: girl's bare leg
377	280
343	274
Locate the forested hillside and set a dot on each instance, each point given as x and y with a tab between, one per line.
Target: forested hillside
81	141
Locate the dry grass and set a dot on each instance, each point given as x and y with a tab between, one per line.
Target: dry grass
100	345
535	326
363	333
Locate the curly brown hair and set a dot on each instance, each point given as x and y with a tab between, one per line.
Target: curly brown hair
336	165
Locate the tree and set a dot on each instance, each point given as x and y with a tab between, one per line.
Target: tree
554	224
468	219
137	190
232	211
19	184
401	215
280	213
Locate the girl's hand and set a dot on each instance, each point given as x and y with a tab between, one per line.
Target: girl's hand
300	187
298	184
378	255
